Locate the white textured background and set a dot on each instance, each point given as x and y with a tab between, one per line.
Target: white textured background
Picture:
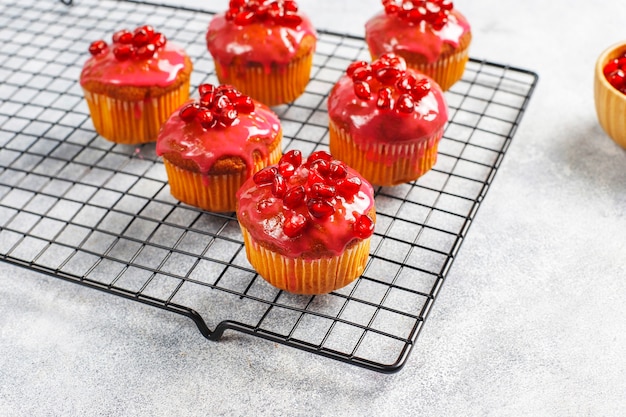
530	322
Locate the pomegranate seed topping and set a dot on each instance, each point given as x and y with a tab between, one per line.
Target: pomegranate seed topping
236	4
293	157
146	51
320	209
243	104
319	155
221	103
294	225
123	36
189	111
206	118
206	88
421	89
141	37
393	60
405	104
363	227
314	177
348	187
288	19
356	65
385	99
159	40
388	75
321	190
245	18
265	176
97	47
362	90
407	82
123	52
434	12
290	6
286	169
338	170
206	100
228	116
321	166
294	197
362	74
279	186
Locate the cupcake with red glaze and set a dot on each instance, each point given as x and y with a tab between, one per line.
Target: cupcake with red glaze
134	83
211	145
264	48
386	120
307	224
431	35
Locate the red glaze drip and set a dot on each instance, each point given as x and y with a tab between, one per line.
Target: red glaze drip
395	114
390	33
143	65
194	140
265	43
313	226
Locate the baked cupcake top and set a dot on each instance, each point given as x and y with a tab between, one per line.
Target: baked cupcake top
309	208
416	26
222	126
263	32
386	102
141	58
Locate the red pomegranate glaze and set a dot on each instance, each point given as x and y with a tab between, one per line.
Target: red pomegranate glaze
312	215
398	32
374	107
140	58
227	123
261	40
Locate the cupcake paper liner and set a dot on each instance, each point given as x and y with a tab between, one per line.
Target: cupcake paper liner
388	163
215	193
133	122
278	86
307	276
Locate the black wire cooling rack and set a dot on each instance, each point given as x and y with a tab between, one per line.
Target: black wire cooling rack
83	209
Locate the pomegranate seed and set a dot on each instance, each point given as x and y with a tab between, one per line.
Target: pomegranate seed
320	209
245	18
290	6
288	19
286	169
189	111
221	103
321	166
363	227
321	190
388	75
294	197
235	4
362	90
123	36
228	116
348	187
141	37
159	40
338	170
393	60
279	186
617	79
206	118
362	74
392	8
293	157
405	104
231	13
615	73
421	89
319	155
265	176
97	47
244	104
206	88
406	83
294	225
146	51
447	5
313	178
123	52
206	100
385	99
356	65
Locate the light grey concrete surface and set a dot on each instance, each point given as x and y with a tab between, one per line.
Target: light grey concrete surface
530	321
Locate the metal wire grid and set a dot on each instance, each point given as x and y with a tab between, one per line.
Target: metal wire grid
80	208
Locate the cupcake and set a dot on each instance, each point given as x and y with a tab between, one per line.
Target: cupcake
307	224
133	84
431	35
386	120
264	48
211	145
